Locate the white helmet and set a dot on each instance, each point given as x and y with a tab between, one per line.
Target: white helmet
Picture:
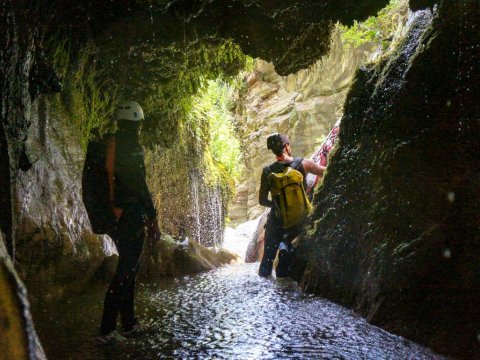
129	110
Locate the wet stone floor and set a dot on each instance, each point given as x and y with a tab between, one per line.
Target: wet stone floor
229	313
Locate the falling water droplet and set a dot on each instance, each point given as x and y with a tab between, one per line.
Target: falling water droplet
451	196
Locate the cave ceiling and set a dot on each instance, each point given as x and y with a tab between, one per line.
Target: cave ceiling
160	52
291	34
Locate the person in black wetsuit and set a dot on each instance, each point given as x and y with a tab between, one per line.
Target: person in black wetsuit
274	233
134	210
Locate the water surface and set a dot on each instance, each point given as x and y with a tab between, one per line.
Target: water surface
229	313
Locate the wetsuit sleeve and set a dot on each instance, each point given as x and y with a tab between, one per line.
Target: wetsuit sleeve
147	202
264	190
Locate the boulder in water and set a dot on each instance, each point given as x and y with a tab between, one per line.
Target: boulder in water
173	258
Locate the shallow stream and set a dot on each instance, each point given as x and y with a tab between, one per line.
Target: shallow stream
229	313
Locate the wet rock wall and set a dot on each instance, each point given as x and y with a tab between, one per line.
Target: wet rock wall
47	232
395	233
55	246
5	195
16	60
188	193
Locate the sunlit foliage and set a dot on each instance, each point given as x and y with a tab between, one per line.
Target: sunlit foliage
212	111
379	28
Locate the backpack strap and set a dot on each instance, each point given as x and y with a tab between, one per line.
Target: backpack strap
279	167
110	166
274	168
296	161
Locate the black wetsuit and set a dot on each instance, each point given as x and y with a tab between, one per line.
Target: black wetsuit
131	195
274	233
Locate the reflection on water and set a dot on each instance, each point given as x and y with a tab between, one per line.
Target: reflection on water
228	313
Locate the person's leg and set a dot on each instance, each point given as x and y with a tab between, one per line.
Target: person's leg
127	311
119	295
110	310
113	295
285	259
286	253
273	235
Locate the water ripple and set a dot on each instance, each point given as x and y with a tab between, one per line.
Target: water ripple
231	313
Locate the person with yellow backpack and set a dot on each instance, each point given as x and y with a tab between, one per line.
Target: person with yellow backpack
285	181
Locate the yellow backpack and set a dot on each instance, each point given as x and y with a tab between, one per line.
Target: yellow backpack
289	197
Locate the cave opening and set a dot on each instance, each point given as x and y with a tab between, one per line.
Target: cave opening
215	78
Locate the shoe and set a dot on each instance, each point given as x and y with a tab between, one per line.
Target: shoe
110	339
137	329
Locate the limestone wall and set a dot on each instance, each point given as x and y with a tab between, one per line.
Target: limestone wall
54	240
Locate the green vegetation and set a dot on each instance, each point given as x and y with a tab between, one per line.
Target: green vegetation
87	100
164	80
189	128
380	28
206	155
211	111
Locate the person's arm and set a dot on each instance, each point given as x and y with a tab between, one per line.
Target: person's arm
147	202
313	168
264	190
151	223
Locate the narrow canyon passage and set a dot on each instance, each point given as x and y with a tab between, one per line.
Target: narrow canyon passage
387	264
228	313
